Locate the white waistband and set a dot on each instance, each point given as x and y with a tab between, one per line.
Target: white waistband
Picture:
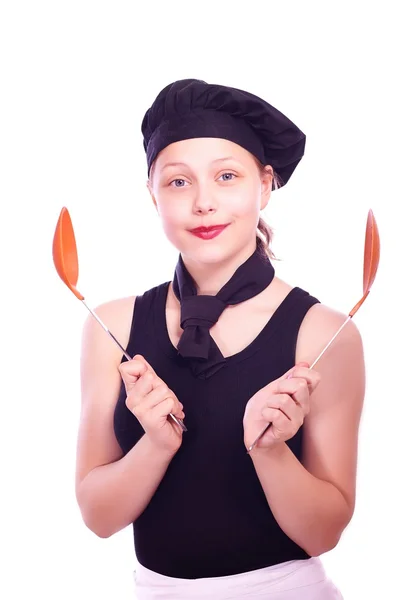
287	577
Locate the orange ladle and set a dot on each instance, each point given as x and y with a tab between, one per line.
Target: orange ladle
65	257
370	267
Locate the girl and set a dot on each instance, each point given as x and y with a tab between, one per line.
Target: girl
225	346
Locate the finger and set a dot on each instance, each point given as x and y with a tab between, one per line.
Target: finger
303	363
287	405
148	405
144	386
312	377
164	408
161	413
290	372
132	370
140	358
276	417
287	375
288	420
158	394
298	389
302	401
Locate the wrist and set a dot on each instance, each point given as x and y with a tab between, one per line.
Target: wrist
273	452
162	452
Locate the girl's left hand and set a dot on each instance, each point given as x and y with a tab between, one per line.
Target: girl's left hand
284	403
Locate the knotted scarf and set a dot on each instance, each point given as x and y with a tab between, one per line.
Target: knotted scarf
200	312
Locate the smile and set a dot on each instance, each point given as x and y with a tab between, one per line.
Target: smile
208	234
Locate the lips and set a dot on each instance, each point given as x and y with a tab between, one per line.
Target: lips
207	229
208	233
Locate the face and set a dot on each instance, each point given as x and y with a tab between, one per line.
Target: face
207	182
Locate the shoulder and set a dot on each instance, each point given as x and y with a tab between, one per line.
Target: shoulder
342	368
117	316
319	325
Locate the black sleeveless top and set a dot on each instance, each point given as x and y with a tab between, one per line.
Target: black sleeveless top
209	516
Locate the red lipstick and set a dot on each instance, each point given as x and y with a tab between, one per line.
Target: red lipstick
207	233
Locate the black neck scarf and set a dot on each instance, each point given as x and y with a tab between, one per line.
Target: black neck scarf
200	313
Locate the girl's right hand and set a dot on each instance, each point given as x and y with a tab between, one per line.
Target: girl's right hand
150	400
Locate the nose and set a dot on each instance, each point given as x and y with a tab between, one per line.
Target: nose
204	202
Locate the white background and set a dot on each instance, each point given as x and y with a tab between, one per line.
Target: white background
76	79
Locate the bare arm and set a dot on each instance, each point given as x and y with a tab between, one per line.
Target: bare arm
112	490
313	501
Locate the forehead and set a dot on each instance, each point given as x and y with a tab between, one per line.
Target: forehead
202	152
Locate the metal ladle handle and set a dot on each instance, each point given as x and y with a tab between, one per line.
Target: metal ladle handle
178	422
262	433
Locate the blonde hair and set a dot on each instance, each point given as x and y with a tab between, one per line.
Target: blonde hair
263	241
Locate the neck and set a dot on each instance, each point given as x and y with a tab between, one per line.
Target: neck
211	277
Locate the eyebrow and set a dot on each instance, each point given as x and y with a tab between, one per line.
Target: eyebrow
182	164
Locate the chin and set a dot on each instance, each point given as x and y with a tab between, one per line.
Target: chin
209	253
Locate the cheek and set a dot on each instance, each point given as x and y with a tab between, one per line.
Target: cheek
244	203
173	216
172	212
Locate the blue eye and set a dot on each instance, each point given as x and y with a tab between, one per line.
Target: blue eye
178	182
230	178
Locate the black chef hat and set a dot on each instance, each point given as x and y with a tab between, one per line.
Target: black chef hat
191	108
